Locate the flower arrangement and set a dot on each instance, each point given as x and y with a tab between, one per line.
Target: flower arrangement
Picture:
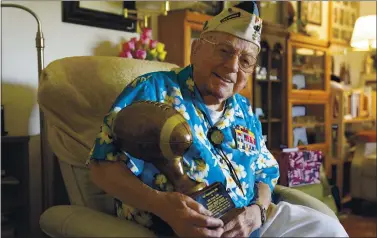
145	48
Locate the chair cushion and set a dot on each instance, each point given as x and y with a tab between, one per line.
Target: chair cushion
314	190
83	192
75	94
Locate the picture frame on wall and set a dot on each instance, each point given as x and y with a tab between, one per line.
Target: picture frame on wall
101	14
342	18
311	11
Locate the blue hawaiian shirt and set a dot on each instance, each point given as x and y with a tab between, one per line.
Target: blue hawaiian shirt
243	143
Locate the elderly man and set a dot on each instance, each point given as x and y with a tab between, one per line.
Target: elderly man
206	94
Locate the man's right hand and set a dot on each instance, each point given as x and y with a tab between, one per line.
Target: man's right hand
187	217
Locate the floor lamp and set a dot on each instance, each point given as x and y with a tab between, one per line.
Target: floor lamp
40	45
39	40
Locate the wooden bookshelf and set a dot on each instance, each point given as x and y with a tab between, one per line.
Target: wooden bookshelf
308	90
347	112
269	85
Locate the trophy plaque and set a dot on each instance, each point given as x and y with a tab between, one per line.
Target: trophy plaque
156	133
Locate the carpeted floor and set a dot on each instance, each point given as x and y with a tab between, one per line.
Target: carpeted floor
360	225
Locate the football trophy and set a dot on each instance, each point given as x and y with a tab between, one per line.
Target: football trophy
158	134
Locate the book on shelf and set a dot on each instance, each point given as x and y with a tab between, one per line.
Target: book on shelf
354	104
358	103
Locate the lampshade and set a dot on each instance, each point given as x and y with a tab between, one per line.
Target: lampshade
364	33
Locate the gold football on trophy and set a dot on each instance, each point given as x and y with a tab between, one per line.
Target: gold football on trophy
151	131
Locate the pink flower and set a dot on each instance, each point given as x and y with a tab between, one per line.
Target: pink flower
126	54
147	32
144	40
140	54
129	46
143	47
139	45
153	44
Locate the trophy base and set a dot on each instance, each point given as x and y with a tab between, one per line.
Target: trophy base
216	199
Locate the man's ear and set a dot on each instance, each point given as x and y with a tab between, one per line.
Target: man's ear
194	49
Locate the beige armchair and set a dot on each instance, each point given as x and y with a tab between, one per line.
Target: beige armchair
74	95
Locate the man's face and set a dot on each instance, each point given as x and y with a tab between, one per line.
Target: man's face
218	76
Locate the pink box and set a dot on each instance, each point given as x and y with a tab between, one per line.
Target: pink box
304	168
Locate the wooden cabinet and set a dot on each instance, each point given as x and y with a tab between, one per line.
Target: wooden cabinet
308	68
308	90
269	85
308	125
349	108
177	30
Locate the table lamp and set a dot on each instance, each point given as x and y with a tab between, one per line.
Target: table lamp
364	38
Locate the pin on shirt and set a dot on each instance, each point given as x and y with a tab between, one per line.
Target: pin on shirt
215	136
245	139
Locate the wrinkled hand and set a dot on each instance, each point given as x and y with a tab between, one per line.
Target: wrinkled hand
244	224
189	218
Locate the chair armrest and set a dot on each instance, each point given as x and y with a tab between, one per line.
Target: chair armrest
79	221
297	197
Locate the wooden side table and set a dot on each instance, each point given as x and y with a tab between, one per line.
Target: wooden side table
15	212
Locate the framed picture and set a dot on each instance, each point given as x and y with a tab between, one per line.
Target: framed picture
300	136
311	11
298	111
102	14
298	81
342	18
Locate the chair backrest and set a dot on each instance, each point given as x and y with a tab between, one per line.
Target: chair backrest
74	94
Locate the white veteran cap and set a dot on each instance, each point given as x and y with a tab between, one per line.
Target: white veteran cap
241	20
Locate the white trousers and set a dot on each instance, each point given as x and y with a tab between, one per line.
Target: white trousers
289	220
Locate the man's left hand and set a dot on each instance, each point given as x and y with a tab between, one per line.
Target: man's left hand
244	224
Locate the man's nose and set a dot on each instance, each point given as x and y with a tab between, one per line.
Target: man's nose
232	64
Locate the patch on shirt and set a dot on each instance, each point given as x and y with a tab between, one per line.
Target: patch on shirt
245	139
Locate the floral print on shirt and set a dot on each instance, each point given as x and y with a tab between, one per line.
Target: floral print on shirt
202	162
